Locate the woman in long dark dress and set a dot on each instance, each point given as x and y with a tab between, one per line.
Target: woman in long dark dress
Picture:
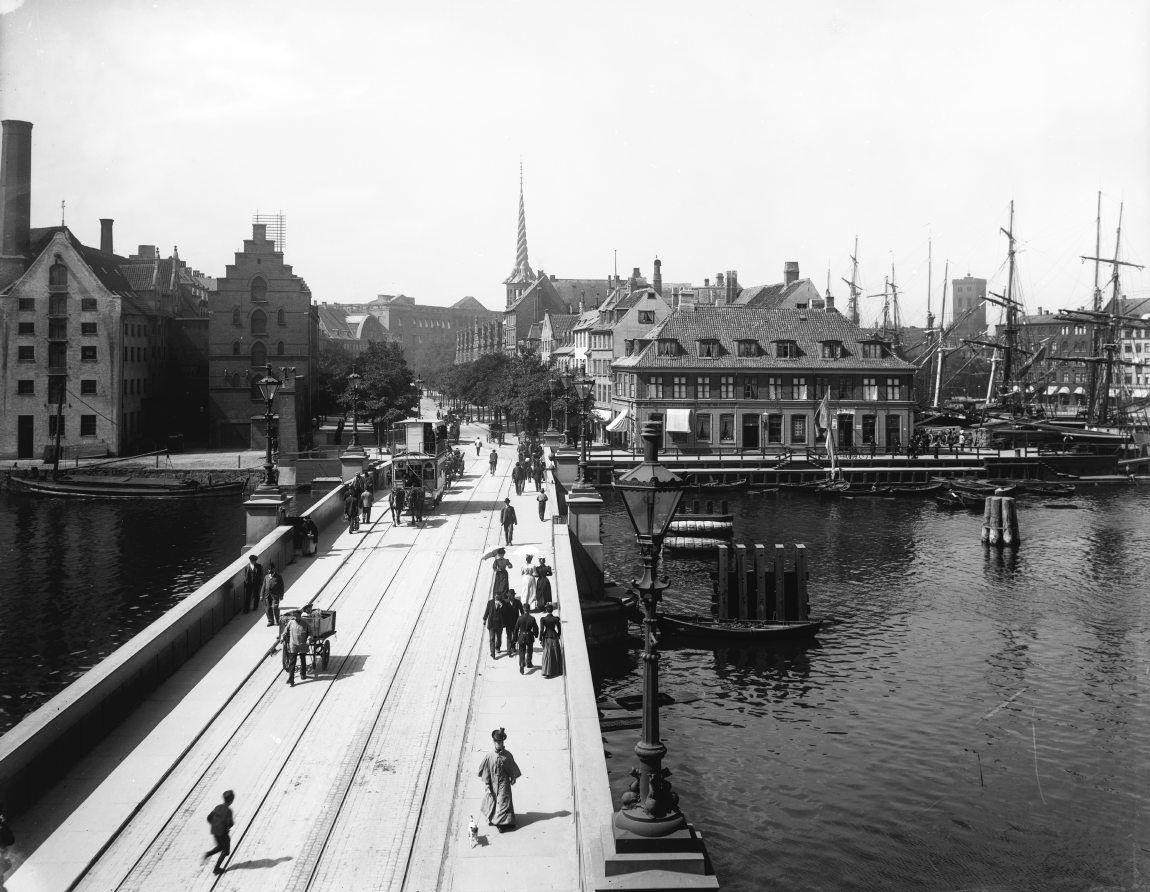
542	585
552	649
499	585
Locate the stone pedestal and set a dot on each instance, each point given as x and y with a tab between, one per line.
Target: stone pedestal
678	861
583	524
352	462
265	512
566	466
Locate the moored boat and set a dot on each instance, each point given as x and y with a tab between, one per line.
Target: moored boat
123	487
887	491
742	629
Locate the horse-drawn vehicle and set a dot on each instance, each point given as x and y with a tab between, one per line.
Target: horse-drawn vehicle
421	455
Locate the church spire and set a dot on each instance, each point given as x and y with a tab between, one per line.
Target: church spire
522	274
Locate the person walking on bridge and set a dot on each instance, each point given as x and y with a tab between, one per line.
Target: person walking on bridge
351	509
507	518
478	446
221	821
537	473
493	622
526	631
365	502
493	459
273	593
253	582
499	772
418	501
511	609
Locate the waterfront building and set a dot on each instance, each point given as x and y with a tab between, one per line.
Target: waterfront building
350	332
1134	347
968	300
739	378
1055	380
262	313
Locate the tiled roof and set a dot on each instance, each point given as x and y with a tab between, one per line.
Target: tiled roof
807	328
561	323
106	267
141	276
333	322
591	291
767	297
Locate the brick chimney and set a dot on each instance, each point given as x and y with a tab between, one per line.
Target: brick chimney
790	272
731	286
657	277
106	235
15	197
259	232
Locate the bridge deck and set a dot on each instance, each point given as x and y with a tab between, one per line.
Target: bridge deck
361	777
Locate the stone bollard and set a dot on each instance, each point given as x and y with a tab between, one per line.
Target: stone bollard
1000	522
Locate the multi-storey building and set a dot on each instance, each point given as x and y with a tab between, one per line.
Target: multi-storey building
1134	347
263	313
555	333
428	334
1056	378
350	332
744	378
968	300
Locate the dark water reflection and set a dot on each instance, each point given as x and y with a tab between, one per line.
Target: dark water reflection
967	720
78	578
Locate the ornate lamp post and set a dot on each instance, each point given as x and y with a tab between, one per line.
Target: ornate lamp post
269	386
581	386
419	396
651	494
353	381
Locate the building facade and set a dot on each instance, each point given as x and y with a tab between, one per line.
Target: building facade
729	378
428	334
262	313
351	332
968	299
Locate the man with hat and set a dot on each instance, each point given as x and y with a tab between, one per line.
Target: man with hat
294	637
511	609
499	772
253	580
273	592
526	631
507	520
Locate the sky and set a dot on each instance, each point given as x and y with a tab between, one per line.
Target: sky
715	136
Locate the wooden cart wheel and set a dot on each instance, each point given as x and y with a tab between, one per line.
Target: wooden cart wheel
325	655
286	659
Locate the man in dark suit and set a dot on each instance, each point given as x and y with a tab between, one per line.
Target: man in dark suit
526	631
507	520
493	622
418	500
253	583
512	608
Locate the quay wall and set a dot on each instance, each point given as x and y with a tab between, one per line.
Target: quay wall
37	752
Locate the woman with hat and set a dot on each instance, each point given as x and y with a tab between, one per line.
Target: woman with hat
552	649
498	772
499	585
542	584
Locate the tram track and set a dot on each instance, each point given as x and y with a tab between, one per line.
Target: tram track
210	765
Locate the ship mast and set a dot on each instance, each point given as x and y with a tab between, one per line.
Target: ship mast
853	304
1095	329
941	324
929	314
1011	310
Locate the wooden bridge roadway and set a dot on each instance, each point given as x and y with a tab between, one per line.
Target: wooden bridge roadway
363	777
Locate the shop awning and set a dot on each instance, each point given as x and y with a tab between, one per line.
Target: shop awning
678	421
604	414
620	420
1081	391
1064	390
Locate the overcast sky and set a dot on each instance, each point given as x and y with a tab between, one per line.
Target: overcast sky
716	136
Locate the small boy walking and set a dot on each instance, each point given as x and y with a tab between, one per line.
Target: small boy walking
220	820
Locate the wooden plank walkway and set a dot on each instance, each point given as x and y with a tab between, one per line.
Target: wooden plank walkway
363	777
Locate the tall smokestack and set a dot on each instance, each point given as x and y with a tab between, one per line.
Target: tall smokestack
106	235
15	194
657	277
790	272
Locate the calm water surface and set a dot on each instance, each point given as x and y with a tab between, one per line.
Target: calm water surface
78	578
968	720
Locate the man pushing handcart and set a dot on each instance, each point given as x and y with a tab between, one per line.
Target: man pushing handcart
305	630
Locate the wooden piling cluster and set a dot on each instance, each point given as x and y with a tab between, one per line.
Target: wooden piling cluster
759	586
1000	522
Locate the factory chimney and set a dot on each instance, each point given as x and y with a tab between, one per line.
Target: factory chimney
15	198
106	235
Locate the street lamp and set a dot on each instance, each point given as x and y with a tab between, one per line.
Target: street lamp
419	396
353	381
651	494
269	386
583	386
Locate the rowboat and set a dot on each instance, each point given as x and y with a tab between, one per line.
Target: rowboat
955	499
743	629
978	487
893	490
690	543
711	484
128	487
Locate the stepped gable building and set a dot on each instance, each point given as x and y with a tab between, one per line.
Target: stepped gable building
263	313
739	378
350	331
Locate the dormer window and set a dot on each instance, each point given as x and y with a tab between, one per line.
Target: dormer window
749	347
832	349
628	346
787	350
874	350
646	317
668	347
708	348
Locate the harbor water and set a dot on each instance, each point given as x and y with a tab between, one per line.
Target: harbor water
968	719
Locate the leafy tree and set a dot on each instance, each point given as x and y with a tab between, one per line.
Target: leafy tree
387	391
333	365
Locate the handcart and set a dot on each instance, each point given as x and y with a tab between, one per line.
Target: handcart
320	625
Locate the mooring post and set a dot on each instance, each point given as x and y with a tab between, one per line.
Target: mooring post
780	583
724	582
1010	536
801	582
760	583
741	576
